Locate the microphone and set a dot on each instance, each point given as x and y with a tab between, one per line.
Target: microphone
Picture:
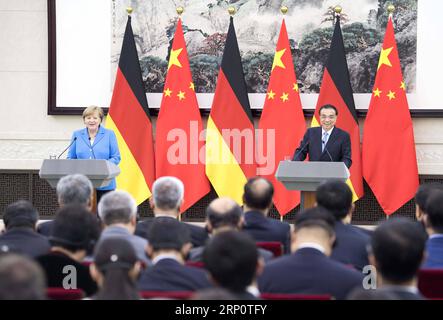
72	142
301	150
92	149
330	157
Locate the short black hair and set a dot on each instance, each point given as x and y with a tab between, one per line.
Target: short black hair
231	259
255	197
75	228
328	106
434	210
315	217
20	214
398	246
168	234
423	193
335	196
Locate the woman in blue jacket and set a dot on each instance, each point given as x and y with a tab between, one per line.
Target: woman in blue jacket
95	142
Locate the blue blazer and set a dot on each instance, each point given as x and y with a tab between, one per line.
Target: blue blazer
338	146
104	147
434	249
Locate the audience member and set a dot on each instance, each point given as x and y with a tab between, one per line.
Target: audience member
231	258
421	197
20	219
350	242
75	232
397	251
167	197
118	212
168	245
223	214
21	278
115	269
257	199
309	270
433	222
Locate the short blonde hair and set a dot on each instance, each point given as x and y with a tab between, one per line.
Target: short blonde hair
91	110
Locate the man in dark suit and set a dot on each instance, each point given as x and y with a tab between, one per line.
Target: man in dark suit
20	219
351	241
167	197
71	189
327	142
397	250
309	270
257	201
433	221
168	245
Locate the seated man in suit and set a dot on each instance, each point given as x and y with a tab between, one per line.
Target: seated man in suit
327	142
351	241
433	222
75	231
20	219
257	201
309	270
223	214
169	244
167	197
71	189
118	212
397	250
232	260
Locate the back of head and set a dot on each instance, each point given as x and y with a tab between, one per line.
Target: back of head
423	193
317	217
168	234
115	257
75	228
20	214
335	196
74	189
231	258
434	211
223	212
21	278
258	193
117	207
398	245
167	193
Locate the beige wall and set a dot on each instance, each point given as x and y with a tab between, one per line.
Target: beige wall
28	134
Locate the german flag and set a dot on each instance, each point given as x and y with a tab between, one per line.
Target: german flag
336	90
230	151
129	118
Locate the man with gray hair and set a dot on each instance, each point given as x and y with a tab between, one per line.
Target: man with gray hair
167	197
118	212
71	189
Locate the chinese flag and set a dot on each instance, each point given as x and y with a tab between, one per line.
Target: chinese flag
282	122
389	161
129	118
336	90
230	155
179	149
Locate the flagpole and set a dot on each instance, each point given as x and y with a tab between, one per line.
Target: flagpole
391	9
337	11
129	10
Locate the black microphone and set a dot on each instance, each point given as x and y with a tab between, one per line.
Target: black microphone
92	149
330	157
300	151
72	142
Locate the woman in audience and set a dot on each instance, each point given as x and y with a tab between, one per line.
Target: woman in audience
115	269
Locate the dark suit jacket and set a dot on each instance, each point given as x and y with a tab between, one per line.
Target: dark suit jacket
196	254
53	264
402	294
169	275
262	228
45	228
350	246
308	271
434	249
338	146
199	235
25	241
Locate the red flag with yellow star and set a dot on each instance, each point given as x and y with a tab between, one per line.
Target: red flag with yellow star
179	149
388	152
282	122
336	90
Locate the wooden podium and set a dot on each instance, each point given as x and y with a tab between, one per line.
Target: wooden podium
99	171
306	176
